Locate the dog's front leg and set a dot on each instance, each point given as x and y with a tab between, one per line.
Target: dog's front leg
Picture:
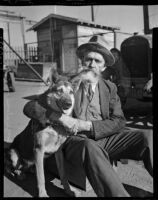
61	169
39	163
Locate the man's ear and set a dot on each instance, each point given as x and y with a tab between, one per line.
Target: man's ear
103	68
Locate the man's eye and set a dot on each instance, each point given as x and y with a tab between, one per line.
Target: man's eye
97	61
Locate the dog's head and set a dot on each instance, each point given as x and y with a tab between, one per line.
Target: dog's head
60	97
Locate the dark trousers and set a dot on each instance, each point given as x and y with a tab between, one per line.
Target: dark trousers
94	157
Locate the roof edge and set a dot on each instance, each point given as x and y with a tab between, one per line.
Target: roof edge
73	20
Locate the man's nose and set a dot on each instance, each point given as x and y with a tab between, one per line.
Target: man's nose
92	64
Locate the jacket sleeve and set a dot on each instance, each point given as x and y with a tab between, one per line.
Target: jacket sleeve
115	122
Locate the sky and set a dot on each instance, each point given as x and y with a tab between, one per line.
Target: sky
128	18
106	15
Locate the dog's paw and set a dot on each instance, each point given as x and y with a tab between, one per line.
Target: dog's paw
73	192
43	194
70	193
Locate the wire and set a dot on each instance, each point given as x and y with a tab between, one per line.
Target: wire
123	33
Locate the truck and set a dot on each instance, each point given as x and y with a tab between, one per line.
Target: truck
136	52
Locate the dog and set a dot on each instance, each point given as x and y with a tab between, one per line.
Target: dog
59	98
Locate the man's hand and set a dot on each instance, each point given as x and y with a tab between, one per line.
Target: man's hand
75	125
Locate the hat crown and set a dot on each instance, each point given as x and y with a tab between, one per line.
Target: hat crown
100	40
94	39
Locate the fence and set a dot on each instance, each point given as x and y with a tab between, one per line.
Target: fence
30	54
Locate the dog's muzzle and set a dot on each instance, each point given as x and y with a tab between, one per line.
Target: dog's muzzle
65	102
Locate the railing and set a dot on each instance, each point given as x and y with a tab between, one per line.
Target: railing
30	54
24	61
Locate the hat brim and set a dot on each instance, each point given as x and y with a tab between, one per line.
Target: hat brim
93	46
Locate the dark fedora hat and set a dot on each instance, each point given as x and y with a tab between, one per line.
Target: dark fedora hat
97	44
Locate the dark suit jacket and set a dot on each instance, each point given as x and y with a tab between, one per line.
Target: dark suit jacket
113	117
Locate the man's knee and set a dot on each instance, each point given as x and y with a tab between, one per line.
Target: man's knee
89	144
147	135
93	149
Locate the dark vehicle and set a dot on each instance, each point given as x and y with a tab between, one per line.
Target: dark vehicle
137	54
9	77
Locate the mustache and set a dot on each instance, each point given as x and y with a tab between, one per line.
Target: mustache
87	70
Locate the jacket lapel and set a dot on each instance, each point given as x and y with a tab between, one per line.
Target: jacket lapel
81	103
81	100
104	98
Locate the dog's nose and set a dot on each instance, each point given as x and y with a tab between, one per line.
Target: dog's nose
65	103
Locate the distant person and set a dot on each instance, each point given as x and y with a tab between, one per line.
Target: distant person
9	77
148	86
117	74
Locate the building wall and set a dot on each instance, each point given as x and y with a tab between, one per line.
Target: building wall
44	43
69	45
15	32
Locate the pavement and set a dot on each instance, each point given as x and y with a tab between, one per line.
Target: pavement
133	175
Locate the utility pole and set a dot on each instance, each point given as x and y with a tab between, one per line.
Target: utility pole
115	39
23	36
8	29
146	19
55	9
92	13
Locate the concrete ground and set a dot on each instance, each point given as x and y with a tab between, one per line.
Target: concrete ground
133	175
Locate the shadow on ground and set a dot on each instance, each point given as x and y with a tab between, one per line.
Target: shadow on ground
29	185
137	192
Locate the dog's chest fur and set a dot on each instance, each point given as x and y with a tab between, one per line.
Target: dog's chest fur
52	138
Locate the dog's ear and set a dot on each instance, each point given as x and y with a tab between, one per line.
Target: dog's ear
75	80
54	75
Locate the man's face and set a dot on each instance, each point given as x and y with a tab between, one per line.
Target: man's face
94	61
